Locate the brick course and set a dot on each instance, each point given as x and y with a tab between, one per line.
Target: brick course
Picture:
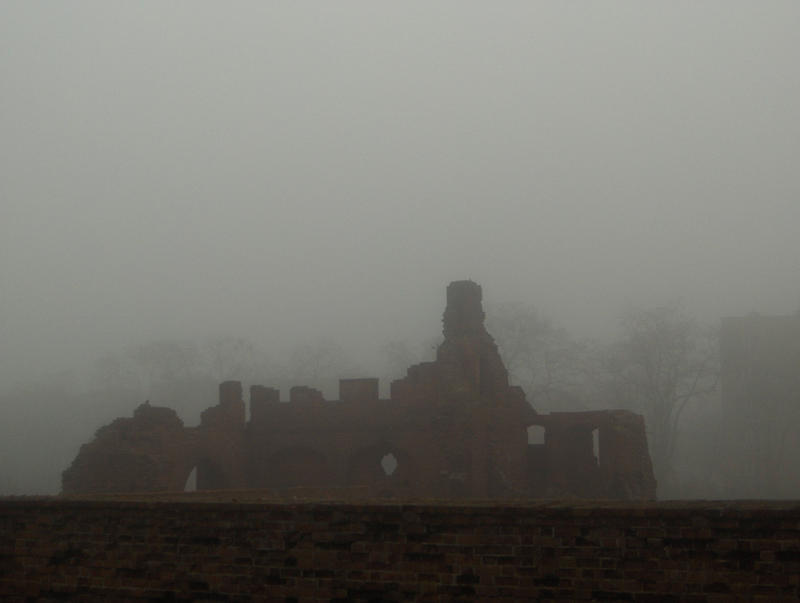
328	551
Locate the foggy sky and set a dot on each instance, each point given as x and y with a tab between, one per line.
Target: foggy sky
284	171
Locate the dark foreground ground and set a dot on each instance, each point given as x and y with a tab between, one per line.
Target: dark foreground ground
254	545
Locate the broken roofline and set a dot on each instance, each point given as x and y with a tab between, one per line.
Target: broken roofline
454	426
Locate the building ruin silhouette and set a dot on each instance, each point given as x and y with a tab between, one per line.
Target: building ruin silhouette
451	428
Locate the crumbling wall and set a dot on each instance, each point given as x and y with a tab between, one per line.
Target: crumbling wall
148	452
599	454
452	428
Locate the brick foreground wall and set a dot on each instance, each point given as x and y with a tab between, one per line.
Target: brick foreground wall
129	550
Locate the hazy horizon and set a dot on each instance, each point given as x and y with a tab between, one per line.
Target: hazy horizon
289	172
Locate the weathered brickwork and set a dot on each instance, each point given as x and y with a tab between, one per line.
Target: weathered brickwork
134	550
452	428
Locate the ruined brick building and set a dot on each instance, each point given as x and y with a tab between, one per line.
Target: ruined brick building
451	428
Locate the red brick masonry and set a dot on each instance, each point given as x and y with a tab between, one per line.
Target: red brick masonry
183	550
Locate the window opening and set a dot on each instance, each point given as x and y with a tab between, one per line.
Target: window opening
389	464
536	434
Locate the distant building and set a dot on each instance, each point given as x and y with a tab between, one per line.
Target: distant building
760	382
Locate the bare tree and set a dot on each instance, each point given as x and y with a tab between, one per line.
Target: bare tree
319	364
164	361
167	372
540	357
663	361
229	357
399	355
318	360
145	367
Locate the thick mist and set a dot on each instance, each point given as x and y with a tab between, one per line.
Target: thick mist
309	177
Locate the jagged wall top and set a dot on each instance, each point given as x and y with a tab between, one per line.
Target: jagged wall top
455	426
